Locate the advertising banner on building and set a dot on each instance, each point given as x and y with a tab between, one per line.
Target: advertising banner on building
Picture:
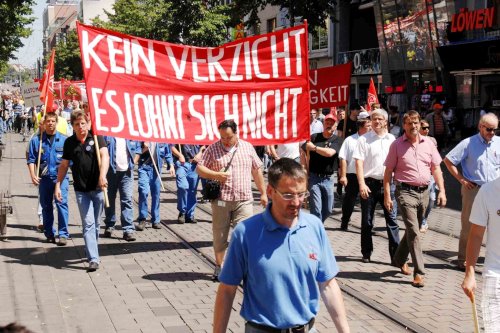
157	91
329	86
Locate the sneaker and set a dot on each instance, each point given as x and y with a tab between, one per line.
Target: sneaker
156	225
181	219
193	220
423	228
93	266
366	260
140	225
40	228
215	275
51	240
108	233
62	241
129	236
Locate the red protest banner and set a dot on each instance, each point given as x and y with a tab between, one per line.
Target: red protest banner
156	91
70	90
47	84
330	86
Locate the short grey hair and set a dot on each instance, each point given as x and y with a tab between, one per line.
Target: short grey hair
380	112
489	117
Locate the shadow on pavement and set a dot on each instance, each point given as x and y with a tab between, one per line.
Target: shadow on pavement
178	276
65	257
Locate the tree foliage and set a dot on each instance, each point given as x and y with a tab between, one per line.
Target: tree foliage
316	12
178	21
15	15
67	61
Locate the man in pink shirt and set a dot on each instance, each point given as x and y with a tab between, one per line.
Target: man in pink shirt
413	158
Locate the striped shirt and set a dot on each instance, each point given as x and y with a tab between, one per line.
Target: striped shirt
238	186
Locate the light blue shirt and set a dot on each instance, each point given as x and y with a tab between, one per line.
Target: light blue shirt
280	268
480	161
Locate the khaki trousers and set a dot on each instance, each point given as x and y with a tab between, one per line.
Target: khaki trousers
225	213
468	197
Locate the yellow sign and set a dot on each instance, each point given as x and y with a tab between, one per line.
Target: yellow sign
239	31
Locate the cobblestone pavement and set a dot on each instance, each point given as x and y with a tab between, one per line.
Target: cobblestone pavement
158	284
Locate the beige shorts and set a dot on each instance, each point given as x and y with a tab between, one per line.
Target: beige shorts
225	214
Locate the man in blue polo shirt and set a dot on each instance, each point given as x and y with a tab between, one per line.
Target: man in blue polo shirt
285	261
479	157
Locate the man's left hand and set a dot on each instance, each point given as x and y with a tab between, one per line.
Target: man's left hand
263	200
103	182
441	199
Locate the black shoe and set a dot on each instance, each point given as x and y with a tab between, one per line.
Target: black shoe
129	236
181	219
366	260
140	225
193	220
108	233
62	241
156	225
51	240
215	275
93	266
40	228
344	226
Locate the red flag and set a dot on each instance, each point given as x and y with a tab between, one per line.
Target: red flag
372	96
47	91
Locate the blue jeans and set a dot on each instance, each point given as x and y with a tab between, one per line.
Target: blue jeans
1	128
321	199
90	205
149	182
187	186
432	199
122	181
46	189
367	214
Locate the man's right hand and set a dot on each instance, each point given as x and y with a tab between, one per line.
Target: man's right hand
343	181
469	285
222	177
364	191
35	180
468	184
57	192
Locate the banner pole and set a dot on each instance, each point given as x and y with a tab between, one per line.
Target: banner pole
41	137
157	171
98	153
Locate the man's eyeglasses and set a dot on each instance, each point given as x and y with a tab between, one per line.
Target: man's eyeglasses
291	196
425	128
490	129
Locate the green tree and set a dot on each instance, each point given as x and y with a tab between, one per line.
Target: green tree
15	15
178	21
68	64
316	12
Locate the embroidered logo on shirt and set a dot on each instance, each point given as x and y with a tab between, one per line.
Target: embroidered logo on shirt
313	256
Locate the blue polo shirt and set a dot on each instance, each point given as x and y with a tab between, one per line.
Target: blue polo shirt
480	161
280	268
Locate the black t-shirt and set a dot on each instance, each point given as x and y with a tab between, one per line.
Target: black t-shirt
321	164
351	127
85	167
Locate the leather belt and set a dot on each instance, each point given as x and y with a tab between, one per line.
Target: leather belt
297	329
373	180
413	187
322	175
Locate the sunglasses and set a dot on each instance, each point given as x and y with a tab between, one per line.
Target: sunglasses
490	129
425	128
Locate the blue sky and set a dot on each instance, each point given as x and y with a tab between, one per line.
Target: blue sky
33	47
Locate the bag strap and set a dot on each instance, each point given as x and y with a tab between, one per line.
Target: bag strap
231	160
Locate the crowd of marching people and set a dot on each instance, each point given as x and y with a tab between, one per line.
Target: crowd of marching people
380	157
